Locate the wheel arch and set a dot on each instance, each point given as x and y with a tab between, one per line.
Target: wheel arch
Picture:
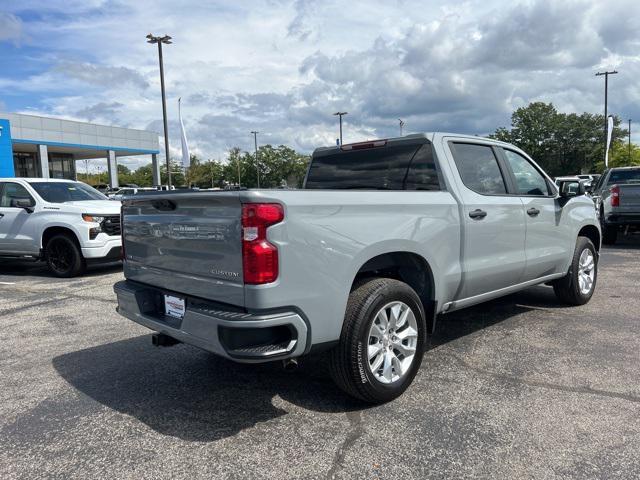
592	233
54	230
408	267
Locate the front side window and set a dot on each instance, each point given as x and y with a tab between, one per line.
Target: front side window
61	192
529	181
13	191
478	167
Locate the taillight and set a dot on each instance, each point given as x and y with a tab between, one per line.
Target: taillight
615	196
259	257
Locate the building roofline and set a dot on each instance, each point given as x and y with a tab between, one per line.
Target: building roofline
73	121
139	151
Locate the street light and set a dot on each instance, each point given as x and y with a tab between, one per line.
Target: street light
606	119
160	40
340	114
255	142
629	141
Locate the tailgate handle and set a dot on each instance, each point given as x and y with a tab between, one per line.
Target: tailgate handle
163	205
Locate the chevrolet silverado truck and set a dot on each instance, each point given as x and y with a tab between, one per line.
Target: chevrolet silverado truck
617	200
61	222
384	236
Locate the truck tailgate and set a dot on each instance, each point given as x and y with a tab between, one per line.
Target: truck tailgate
629	198
187	243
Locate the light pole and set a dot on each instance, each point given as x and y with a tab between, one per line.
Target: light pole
401	125
255	142
629	141
340	114
160	40
606	92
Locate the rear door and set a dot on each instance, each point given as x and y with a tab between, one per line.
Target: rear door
548	235
188	243
494	223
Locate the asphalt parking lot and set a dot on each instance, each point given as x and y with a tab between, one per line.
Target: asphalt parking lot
521	387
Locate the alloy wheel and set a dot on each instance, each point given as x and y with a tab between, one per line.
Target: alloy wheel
392	342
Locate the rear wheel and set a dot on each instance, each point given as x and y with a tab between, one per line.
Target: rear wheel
577	287
382	341
64	257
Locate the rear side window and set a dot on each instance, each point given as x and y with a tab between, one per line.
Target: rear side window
478	167
395	167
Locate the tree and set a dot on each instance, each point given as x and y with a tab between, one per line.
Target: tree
561	143
619	155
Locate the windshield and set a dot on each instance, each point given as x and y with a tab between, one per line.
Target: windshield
62	192
624	176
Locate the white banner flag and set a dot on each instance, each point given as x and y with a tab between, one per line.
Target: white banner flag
609	134
186	158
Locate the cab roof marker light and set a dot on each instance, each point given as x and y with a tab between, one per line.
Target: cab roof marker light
363	145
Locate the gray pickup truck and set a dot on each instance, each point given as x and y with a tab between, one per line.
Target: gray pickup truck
617	199
384	236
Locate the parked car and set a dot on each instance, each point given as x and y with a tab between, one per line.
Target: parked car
61	222
587	179
120	193
102	187
617	201
384	236
572	181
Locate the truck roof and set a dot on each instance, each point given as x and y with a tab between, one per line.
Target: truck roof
36	180
414	136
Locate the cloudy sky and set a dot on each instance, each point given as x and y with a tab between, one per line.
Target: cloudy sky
283	66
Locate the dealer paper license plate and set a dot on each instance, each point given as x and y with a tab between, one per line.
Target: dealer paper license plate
174	306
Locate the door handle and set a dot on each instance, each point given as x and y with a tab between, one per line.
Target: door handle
477	214
533	212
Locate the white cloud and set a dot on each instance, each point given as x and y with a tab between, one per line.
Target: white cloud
283	66
10	27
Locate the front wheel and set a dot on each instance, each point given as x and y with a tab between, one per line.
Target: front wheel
64	257
382	341
577	287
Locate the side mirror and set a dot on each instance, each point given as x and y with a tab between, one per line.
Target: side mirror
25	203
571	188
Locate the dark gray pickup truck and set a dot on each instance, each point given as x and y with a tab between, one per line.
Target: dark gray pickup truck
384	236
617	199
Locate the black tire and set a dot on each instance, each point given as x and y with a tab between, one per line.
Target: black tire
64	257
349	367
609	234
567	289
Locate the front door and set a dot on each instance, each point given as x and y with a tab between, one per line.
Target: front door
494	221
549	243
16	224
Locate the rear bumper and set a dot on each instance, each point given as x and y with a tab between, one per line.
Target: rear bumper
239	336
622	219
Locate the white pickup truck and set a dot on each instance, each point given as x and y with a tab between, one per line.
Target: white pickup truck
62	222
